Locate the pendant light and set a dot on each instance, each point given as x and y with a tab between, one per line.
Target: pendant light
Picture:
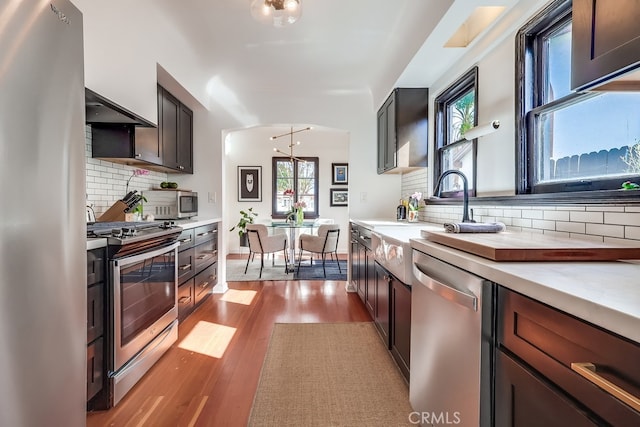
279	13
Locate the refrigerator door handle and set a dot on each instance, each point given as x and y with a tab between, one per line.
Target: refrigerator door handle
448	292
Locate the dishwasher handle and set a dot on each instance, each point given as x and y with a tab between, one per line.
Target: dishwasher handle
448	292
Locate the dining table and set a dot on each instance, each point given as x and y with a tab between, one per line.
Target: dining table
293	229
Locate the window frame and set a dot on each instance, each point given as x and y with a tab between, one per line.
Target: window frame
468	81
274	191
530	85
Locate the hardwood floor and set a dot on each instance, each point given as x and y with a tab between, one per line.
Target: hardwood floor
188	388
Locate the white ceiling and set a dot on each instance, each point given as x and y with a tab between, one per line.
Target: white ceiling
336	47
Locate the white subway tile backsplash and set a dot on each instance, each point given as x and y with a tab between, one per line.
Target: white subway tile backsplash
629	218
632	232
595	217
571	227
533	214
543	225
556	215
605	230
606	208
522	222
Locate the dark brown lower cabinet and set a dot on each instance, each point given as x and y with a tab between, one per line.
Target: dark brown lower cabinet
96	288
401	325
95	367
197	267
381	281
369	281
545	348
204	281
523	399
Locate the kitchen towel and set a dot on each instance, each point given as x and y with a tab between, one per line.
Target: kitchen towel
474	227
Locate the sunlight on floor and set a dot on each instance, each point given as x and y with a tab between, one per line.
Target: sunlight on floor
238	296
208	338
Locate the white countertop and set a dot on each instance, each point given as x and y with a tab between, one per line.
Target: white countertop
606	294
196	222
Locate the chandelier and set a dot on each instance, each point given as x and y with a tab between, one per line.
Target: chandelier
278	13
291	144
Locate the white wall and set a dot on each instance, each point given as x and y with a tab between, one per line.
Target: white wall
252	147
495	57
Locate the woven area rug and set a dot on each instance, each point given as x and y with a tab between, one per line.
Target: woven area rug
329	374
235	270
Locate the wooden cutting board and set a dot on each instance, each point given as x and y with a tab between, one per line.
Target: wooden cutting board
516	246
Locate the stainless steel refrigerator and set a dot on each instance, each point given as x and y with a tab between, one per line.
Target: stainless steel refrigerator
42	225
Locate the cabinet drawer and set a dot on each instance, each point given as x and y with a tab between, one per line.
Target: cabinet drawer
205	254
522	399
186	299
95	311
206	233
204	282
94	368
549	341
95	266
186	264
186	239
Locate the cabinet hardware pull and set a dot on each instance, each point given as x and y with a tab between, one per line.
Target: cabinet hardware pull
184	300
588	371
188	239
181	167
202	257
185	267
138	155
205	233
204	285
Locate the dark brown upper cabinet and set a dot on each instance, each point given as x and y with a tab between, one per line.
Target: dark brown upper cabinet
605	44
167	148
175	121
403	131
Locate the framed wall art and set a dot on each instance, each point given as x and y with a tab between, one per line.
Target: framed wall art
339	173
249	183
339	197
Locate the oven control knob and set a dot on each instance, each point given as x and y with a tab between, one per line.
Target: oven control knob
116	232
128	232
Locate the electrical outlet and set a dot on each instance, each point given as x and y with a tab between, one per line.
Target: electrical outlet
212	197
363	196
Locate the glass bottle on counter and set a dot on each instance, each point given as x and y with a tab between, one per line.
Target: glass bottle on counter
401	211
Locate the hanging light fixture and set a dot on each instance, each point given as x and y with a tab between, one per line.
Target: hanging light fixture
291	144
278	13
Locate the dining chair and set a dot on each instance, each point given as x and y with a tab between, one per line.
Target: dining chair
260	242
326	242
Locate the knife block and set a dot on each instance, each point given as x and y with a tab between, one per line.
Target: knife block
116	213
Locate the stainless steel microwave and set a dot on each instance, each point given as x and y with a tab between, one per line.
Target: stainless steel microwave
170	204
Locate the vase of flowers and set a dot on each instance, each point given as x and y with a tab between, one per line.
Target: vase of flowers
299	212
413	207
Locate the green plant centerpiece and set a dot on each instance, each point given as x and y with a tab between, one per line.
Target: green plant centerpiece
246	217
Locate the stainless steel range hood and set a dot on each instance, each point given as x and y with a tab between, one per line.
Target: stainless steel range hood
101	110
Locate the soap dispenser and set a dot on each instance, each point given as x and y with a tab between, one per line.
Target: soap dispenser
401	211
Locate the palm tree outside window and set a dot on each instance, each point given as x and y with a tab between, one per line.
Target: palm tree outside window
456	113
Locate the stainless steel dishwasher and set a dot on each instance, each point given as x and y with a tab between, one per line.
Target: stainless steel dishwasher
451	344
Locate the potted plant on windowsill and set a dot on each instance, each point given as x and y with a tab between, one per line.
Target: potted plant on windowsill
246	217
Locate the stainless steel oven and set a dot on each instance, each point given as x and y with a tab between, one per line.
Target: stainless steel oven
145	310
144	299
143	307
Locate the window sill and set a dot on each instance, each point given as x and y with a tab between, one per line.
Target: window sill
626	197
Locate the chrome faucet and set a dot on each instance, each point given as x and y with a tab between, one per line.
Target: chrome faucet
465	194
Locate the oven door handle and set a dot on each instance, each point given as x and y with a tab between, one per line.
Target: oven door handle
146	255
